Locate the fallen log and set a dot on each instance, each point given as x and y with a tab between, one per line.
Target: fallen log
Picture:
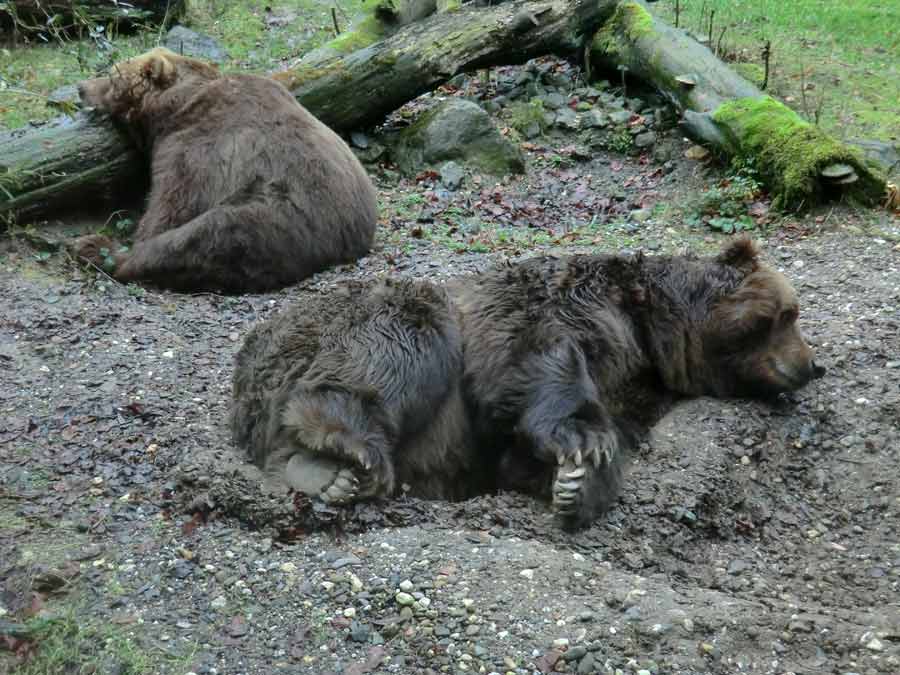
42	16
800	163
45	168
64	163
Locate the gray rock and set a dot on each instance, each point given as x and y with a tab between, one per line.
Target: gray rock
886	154
575	654
460	131
640	215
360	632
184	41
645	139
566	118
595	119
533	130
586	665
359	140
67	93
620	116
452	175
553	101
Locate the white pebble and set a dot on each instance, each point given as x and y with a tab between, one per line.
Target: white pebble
288	567
528	574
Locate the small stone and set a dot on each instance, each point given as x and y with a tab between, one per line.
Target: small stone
406	585
219	602
355	584
473	629
696	152
288	567
528	574
359	632
583	106
640	215
327	585
553	100
575	654
586	665
566	118
595	119
359	140
452	175
406	613
561	643
350	613
875	645
467	602
620	116
404	599
343	562
645	139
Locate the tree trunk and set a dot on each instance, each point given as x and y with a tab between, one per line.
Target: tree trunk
800	163
71	16
47	168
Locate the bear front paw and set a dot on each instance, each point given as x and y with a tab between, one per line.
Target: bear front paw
586	445
94	249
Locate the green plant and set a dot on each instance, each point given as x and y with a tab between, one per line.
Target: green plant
523	115
620	141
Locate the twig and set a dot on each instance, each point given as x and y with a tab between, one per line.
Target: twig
677	11
766	53
719	43
712	16
337	29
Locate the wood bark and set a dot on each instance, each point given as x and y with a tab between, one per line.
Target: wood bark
728	113
46	168
36	16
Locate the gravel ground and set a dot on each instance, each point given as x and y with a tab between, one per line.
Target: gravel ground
751	539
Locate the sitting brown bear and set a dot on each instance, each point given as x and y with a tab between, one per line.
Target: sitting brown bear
249	190
537	376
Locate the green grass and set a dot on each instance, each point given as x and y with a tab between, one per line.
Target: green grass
849	52
76	644
256	40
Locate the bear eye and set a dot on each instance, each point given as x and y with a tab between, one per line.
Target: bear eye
762	325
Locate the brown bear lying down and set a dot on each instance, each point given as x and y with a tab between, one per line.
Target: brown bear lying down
537	376
249	190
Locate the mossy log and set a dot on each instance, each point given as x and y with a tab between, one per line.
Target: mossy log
363	82
46	168
38	16
801	164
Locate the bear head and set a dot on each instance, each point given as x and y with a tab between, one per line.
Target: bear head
751	341
150	84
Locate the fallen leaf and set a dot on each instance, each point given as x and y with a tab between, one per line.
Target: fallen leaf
376	654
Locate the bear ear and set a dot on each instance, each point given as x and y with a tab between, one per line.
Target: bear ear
740	253
158	69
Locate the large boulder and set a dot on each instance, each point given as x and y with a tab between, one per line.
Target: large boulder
460	131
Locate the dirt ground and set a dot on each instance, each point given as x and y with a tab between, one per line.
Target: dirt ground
750	539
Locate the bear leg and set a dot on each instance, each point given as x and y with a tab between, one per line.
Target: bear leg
223	249
341	431
567	426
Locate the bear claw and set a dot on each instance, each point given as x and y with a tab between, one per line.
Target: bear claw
343	489
568	486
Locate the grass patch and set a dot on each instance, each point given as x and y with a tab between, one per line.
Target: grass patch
841	59
258	35
76	644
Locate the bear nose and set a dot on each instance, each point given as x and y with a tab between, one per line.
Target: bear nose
818	371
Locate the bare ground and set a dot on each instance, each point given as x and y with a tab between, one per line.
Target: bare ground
751	538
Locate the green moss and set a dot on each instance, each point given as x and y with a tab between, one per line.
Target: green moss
752	72
630	21
300	75
790	152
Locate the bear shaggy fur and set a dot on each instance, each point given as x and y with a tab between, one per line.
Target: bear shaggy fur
537	376
249	191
